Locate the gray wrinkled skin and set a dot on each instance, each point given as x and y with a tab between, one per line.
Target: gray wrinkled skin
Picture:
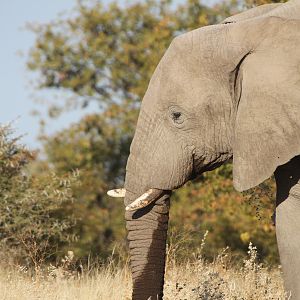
221	91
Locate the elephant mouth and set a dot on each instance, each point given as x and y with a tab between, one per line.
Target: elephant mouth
144	200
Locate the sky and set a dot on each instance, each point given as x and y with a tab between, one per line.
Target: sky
16	98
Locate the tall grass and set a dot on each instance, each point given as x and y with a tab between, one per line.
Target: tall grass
193	279
223	280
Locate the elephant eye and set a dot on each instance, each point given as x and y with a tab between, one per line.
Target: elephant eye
177	117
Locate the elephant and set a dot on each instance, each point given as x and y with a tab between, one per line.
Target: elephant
220	92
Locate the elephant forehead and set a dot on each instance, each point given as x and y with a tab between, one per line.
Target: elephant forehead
198	91
188	92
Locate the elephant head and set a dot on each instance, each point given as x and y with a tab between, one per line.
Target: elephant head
218	92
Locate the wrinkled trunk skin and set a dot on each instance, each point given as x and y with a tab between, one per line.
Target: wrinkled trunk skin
147	233
151	164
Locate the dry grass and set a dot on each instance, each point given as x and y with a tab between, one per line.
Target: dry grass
221	280
196	279
104	284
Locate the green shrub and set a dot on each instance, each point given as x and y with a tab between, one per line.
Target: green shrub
32	226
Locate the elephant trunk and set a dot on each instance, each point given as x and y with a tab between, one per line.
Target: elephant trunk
147	233
149	168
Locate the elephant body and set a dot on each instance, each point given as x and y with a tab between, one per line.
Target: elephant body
288	225
230	90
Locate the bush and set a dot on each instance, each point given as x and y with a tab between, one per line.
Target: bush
32	226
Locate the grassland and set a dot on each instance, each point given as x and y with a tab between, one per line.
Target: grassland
193	279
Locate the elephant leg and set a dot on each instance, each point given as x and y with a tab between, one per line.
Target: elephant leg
288	224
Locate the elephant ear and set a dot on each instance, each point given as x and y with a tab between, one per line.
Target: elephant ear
267	94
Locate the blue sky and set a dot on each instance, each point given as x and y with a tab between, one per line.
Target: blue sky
16	92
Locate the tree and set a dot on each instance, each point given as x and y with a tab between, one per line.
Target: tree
233	219
100	151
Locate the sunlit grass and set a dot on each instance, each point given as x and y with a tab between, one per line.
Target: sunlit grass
194	279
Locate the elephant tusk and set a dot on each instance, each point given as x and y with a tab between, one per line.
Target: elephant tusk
144	200
118	193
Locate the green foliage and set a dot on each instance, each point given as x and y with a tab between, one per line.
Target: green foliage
103	54
100	151
232	219
31	225
107	54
